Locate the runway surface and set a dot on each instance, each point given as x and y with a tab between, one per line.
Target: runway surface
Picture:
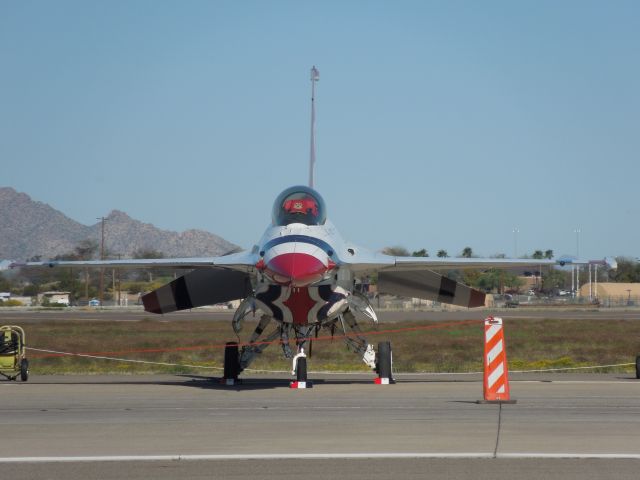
162	427
563	426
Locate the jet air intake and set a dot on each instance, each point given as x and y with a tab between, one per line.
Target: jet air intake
296	264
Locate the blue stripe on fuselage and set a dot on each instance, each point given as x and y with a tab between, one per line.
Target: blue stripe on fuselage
299	238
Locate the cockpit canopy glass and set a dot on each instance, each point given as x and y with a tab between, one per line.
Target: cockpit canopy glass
299	205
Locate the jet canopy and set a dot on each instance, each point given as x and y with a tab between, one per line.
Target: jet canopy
299	204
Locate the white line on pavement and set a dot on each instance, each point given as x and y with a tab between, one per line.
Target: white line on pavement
311	456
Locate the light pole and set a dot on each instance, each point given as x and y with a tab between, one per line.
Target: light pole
515	241
577	232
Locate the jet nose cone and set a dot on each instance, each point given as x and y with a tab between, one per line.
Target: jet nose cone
296	269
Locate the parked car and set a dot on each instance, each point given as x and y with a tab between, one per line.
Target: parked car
511	301
94	302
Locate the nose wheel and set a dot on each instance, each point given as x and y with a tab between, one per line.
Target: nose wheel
300	371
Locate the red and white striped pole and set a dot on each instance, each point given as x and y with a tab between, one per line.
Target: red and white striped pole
496	372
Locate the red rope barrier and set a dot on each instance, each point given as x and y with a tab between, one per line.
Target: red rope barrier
242	344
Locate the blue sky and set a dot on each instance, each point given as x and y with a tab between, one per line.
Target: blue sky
439	124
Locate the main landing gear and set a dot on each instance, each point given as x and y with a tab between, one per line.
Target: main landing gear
238	359
384	364
231	364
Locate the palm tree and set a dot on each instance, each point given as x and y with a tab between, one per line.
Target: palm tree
467	252
396	251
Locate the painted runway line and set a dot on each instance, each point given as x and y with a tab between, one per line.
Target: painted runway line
317	456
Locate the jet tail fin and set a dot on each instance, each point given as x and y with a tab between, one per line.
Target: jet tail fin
315	76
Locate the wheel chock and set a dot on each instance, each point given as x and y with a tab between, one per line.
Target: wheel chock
383	381
297	384
229	382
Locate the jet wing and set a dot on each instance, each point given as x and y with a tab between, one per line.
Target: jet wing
366	261
242	261
409	263
415	276
213	279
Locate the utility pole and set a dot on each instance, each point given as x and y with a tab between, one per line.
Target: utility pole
86	284
315	76
102	220
119	285
577	285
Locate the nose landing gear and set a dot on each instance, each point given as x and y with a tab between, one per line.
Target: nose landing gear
300	371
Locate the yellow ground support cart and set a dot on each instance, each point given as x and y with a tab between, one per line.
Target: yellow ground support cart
13	361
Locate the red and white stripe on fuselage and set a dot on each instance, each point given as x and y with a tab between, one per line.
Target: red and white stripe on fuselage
296	264
301	305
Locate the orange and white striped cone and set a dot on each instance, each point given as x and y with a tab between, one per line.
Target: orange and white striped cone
496	373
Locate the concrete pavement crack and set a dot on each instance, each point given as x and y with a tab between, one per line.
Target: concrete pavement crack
495	451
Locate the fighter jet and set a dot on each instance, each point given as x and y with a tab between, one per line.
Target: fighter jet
303	277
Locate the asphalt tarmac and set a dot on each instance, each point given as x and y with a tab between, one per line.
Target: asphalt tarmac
582	426
562	426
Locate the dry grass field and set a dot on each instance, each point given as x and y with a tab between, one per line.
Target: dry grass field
451	346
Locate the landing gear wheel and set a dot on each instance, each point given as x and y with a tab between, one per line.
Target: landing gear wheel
301	372
301	369
638	366
24	370
384	360
231	361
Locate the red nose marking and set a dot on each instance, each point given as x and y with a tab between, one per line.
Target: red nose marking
296	269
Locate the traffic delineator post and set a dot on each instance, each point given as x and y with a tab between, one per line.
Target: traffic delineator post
496	373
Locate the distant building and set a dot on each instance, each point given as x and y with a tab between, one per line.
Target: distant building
613	293
25	301
5	296
61	298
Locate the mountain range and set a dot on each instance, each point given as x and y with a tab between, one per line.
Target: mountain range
30	228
